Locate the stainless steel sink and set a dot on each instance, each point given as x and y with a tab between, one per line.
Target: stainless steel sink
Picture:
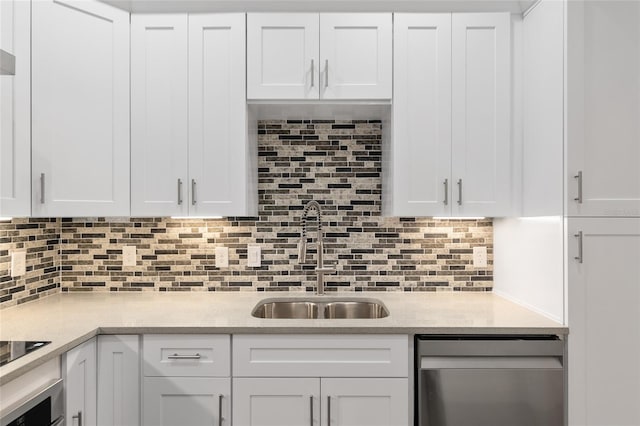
320	308
286	309
355	309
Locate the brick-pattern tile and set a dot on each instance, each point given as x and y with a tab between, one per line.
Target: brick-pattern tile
39	238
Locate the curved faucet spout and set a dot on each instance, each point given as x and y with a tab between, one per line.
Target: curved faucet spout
302	246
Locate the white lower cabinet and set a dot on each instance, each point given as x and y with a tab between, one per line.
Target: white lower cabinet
328	380
294	401
79	367
118	380
604	320
187	380
290	401
186	401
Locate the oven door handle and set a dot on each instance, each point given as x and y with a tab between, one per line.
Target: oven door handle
490	362
58	421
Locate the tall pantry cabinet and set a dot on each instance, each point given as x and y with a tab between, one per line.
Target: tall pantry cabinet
602	152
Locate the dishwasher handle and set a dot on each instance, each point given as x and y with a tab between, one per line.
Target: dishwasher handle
490	362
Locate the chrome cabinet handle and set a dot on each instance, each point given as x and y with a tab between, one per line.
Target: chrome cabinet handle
41	188
179	191
326	73
193	192
459	192
313	74
176	356
311	410
446	192
58	421
328	410
579	237
579	197
220	409
79	417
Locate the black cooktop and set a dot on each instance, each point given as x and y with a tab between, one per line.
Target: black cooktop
12	350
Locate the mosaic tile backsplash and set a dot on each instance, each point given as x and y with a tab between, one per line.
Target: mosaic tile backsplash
336	163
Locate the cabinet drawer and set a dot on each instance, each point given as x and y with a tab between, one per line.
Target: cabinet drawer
203	355
320	355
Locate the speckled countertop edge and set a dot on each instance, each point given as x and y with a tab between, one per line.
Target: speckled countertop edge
70	319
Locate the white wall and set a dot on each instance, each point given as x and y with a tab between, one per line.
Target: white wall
528	265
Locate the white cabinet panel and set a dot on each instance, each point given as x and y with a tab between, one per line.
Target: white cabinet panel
603	78
218	148
356	55
282	56
297	355
319	56
119	380
15	108
276	401
481	114
159	114
187	355
186	401
80	109
421	152
604	319
371	402
80	384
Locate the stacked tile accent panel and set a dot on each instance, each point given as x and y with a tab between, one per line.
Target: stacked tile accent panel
40	239
336	163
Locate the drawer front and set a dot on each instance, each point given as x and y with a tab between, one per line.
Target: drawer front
203	355
321	356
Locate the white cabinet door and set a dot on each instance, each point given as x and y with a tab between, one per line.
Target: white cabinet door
603	95
421	153
186	401
481	114
80	384
119	380
80	109
282	56
218	145
159	129
356	55
604	319
276	401
370	402
15	107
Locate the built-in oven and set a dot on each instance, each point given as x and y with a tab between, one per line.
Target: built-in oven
43	407
490	381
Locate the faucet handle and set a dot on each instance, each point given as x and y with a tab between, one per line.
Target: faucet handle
326	270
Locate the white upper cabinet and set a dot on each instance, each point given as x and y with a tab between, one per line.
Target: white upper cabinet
603	109
356	55
190	150
159	117
481	106
80	109
219	156
15	105
282	56
421	145
450	151
319	56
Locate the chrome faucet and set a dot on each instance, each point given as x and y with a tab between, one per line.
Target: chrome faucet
302	246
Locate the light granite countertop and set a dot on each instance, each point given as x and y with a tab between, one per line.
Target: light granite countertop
69	319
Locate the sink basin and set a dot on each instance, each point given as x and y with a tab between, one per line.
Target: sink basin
286	309
355	309
320	308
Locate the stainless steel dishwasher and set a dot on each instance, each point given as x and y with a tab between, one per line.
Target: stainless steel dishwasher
490	381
